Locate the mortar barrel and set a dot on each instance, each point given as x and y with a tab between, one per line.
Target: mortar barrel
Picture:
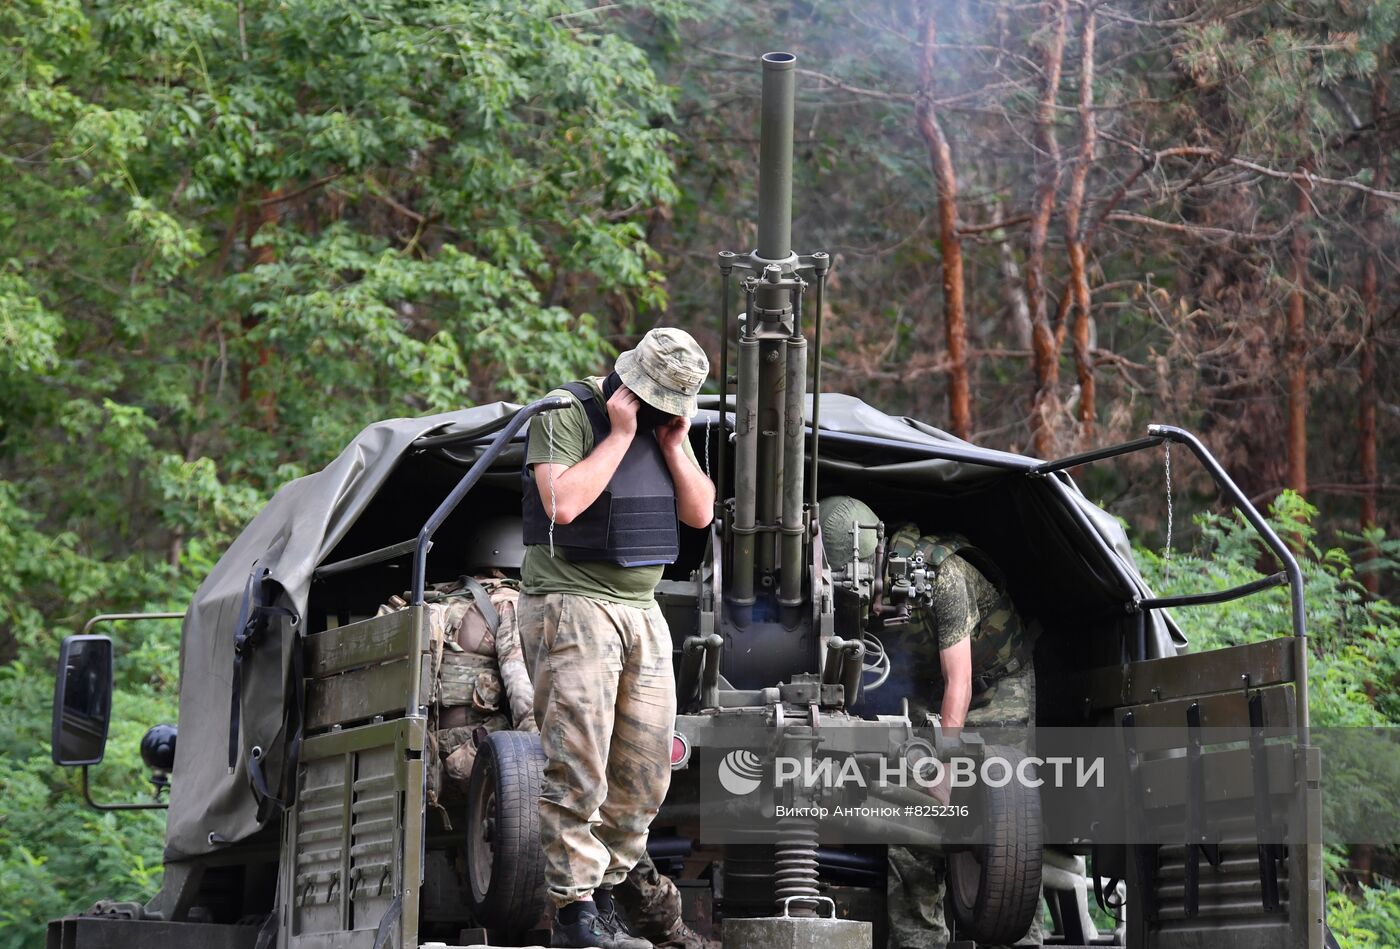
775	157
772	383
745	473
793	529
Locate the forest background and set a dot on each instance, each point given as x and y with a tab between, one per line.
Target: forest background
233	232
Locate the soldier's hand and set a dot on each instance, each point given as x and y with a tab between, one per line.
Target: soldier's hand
671	436
622	411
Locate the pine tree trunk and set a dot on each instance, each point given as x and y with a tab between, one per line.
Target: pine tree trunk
1371	303
949	244
1074	231
1297	345
1045	357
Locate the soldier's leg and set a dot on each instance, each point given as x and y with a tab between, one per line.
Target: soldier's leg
578	660
639	766
914	898
531	615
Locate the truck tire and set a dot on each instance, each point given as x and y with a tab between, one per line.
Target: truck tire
994	886
505	863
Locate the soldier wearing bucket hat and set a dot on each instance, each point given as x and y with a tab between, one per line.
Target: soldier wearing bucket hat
606	484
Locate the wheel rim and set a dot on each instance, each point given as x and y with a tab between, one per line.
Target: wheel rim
482	857
966	878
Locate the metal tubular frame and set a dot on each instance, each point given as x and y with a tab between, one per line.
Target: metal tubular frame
820	264
1275	544
1292	574
970	454
449	504
87	798
87	789
503	434
1098	454
401	549
119	617
454	438
726	269
1219	596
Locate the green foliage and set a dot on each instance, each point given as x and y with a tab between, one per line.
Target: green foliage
231	235
55	854
1370	919
1354	639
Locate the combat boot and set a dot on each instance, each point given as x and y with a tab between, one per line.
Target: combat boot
583	924
681	936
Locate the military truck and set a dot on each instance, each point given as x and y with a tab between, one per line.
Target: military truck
298	812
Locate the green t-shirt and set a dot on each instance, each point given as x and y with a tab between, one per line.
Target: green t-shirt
966	605
540	573
961	598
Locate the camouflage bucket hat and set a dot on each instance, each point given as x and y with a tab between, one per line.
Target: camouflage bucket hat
665	370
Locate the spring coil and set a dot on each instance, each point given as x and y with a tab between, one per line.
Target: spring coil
795	859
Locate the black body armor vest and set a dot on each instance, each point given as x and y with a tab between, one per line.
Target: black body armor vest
632	523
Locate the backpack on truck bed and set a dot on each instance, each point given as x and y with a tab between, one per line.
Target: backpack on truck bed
479	676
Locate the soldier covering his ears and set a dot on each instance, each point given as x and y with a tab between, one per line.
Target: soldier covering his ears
605	483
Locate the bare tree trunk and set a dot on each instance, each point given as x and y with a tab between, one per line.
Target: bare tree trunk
1074	230
1011	282
1045	355
1371	303
1297	344
949	244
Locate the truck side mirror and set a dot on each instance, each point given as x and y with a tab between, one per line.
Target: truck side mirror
82	700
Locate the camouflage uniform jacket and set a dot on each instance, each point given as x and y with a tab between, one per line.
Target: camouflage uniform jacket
969	598
479	678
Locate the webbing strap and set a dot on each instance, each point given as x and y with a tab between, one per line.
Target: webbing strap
387	922
267	933
1014	664
244	632
261	789
252	624
482	599
1104	895
596	414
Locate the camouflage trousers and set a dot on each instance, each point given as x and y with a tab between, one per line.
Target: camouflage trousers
917	877
605	700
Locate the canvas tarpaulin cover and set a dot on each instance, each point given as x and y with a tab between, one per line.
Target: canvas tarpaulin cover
213	805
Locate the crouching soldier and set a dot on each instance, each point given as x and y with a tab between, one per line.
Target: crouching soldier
972	647
972	666
604	484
